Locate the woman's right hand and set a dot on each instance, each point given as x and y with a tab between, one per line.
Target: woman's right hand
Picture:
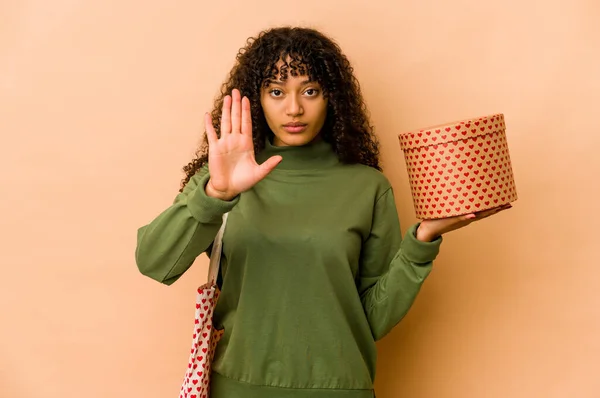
231	161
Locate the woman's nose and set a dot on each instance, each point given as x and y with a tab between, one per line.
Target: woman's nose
293	106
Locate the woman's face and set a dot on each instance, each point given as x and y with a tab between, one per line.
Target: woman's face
295	110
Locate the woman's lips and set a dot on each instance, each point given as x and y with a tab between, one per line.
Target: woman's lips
295	127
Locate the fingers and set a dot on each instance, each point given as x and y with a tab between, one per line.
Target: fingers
235	114
236	111
226	116
246	117
266	167
498	209
486	213
210	129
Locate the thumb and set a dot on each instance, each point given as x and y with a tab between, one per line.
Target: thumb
267	166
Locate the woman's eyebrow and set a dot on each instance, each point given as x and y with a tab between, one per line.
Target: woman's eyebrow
282	83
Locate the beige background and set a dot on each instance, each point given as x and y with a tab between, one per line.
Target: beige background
101	104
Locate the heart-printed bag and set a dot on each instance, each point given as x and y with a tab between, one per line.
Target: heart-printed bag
196	383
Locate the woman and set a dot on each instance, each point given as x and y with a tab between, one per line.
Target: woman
314	267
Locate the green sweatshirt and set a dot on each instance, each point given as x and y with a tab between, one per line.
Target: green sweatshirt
314	271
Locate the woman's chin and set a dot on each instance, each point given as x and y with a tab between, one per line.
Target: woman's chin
291	139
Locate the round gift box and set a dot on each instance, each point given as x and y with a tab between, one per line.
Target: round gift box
459	168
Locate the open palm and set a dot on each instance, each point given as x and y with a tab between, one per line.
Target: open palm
231	161
431	229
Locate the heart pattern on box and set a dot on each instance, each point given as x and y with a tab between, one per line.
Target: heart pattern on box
467	170
204	342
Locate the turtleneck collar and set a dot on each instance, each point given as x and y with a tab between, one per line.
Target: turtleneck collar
315	155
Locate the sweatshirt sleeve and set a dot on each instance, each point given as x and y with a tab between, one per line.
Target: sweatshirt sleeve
392	269
169	244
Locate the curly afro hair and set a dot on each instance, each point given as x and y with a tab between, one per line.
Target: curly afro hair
304	51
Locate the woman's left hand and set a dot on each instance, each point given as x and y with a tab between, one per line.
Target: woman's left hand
430	230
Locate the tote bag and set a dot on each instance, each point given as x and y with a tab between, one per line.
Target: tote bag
196	383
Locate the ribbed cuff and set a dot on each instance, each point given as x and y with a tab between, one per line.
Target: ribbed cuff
417	251
205	208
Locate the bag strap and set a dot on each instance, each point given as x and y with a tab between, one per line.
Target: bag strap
215	256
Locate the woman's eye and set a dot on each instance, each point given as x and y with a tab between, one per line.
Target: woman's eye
276	92
312	92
